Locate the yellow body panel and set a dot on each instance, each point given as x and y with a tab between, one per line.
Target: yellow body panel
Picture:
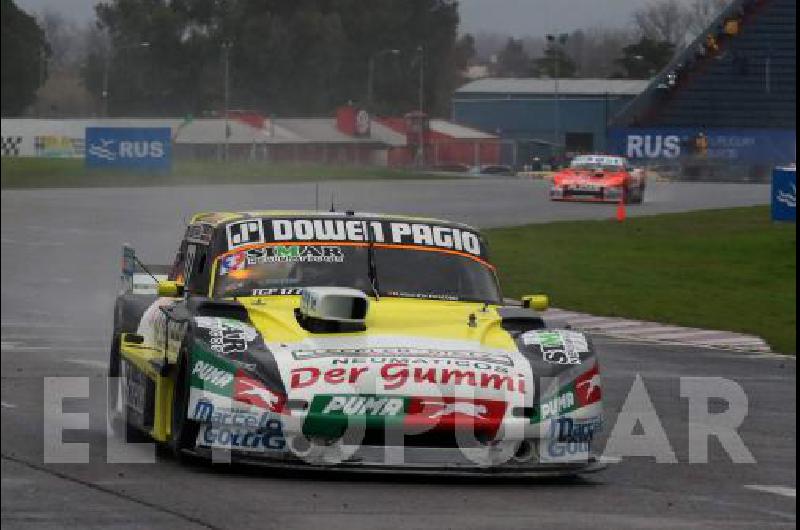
141	356
274	317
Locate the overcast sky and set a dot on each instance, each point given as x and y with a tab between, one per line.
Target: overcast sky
512	17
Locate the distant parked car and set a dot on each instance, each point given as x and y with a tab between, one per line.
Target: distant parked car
452	168
496	169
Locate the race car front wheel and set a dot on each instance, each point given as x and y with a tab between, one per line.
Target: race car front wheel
184	430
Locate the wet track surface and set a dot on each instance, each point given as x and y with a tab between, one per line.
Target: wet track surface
60	261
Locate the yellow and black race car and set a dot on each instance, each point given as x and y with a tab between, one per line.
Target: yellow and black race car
348	341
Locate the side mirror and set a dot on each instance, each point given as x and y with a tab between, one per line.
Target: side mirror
170	289
537	302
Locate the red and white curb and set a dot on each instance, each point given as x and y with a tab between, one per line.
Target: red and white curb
655	332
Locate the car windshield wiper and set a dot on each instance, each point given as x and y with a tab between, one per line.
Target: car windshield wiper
372	270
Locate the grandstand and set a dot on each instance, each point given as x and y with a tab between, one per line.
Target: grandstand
740	73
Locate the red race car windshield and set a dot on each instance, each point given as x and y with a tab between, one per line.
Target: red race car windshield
406	272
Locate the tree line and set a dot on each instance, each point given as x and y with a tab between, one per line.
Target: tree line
305	57
657	31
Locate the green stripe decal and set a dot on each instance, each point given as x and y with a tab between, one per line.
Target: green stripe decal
329	415
209	372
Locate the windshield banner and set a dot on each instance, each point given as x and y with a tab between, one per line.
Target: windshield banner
263	231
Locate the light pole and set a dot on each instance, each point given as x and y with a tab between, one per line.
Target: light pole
554	40
371	72
226	55
421	53
107	68
42	77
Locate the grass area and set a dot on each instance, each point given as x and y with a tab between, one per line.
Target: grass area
729	269
71	173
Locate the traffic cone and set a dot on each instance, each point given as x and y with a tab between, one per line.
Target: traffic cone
621	210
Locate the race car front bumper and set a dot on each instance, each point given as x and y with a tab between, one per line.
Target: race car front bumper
414	461
601	194
541	456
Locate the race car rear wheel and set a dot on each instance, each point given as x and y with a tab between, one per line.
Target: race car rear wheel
184	431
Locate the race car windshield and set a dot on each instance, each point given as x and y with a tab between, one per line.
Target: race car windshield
405	273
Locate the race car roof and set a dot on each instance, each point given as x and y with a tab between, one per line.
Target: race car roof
235	231
221	218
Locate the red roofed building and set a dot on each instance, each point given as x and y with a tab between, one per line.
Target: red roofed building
444	143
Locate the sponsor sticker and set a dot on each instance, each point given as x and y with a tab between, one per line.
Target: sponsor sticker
199	233
598	160
251	391
329	414
232	262
247	232
394	376
404	353
587	387
584	390
286	291
349	405
295	254
562	403
569	439
268	438
205	411
227	336
400	233
454	413
135	387
139	393
558	346
211	373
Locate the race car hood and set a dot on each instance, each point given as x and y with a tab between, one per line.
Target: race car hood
578	177
410	347
433	319
459	363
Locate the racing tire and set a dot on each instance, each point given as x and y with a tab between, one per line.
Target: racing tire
115	412
183	434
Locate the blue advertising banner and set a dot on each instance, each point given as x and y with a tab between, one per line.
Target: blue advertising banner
754	146
784	194
147	148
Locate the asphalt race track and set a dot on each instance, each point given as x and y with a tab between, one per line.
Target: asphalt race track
60	267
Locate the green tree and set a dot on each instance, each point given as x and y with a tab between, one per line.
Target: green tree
464	51
645	58
303	57
24	59
513	61
555	63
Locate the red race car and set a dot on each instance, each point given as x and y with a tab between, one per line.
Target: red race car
598	178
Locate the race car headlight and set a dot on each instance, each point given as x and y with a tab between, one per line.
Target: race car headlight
556	191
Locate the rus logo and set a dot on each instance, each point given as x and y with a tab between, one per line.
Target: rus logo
653	146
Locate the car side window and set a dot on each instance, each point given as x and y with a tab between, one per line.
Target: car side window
197	277
178	265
